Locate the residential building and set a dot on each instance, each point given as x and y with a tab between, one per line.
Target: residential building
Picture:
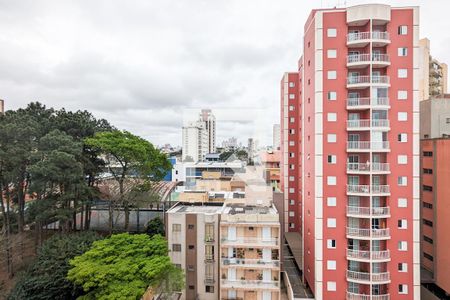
230	144
209	120
433	74
357	87
270	160
435	212
276	137
435	117
195	142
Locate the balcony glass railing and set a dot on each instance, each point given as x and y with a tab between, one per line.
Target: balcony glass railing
376	35
366	58
367	255
367	211
356	102
370	277
378	123
367	189
368	79
368	167
366	145
368	233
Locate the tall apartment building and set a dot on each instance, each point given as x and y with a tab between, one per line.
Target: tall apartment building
353	108
435	117
207	117
433	74
276	137
435	212
195	142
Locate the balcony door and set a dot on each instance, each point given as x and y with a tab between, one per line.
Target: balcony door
266	295
267	254
232	294
232	274
231	233
266	234
267	275
353	77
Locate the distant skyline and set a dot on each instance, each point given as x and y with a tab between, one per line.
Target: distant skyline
141	64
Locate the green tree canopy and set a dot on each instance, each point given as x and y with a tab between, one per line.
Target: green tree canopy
155	226
124	266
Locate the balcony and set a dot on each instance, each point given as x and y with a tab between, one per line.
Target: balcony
366	146
360	125
250	241
355	296
364	81
209	257
209	280
249	263
367	234
249	284
209	239
359	255
367	190
367	168
367	103
362	39
367	212
368	278
362	60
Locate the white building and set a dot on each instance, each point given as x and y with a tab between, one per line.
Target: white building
209	120
276	136
195	142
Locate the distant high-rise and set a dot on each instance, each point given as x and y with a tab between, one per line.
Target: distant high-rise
195	142
276	136
209	119
432	75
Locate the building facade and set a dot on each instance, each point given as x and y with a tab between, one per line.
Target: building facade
209	120
358	92
435	212
433	74
435	117
195	142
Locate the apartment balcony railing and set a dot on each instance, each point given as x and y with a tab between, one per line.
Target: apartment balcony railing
368	255
367	124
368	212
250	263
365	233
368	167
356	296
366	79
367	102
367	146
209	239
250	284
368	189
209	257
376	35
366	277
250	241
365	58
209	280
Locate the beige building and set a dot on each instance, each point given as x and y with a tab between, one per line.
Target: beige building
435	117
433	74
2	106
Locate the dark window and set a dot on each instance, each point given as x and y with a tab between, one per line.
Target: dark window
176	247
250	228
427	188
427	171
427	239
427	205
191	287
427	153
333	243
427	222
191	247
426	255
209	289
190	268
191	226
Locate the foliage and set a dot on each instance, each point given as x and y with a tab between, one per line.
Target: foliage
123	266
155	226
46	276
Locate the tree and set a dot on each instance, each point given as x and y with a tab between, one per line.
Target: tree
123	266
155	226
46	278
128	155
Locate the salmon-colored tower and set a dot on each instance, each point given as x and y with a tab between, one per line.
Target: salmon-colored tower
355	152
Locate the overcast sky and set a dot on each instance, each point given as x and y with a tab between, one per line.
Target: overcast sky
141	64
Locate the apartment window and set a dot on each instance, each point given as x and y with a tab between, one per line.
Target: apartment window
331	53
403	137
428	256
447	120
402	51
331	223
427	205
332	96
291	131
402	95
291	190
190	226
427	222
176	227
427	239
291	154
331	180
291	108
331	32
332	117
291	166
428	153
292	119
190	268
291	84
402	224
402	30
331	138
291	214
291	178
191	287
331	201
403	289
331	265
332	159
331	75
331	286
402	180
191	247
402	246
402	73
291	202
291	96
209	231
209	289
403	267
331	244
402	116
402	159
176	247
402	202
291	225
291	143
178	266
427	188
427	171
